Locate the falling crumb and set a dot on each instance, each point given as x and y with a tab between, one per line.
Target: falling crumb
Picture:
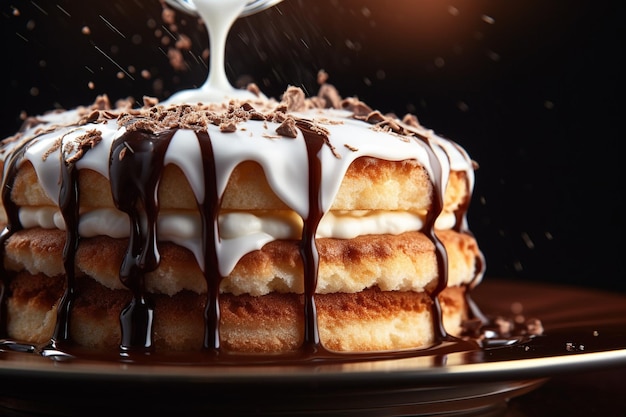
596	333
183	42
570	347
548	104
488	19
463	106
16	12
494	56
527	240
439	62
176	59
34	91
322	77
517	307
146	74
91	85
120	75
86	30
453	10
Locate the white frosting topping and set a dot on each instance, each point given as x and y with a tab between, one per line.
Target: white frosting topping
284	161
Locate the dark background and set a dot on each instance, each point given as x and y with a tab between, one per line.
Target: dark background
530	88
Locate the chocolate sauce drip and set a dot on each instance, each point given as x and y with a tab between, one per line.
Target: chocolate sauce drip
462	226
209	212
308	250
12	226
440	251
69	205
135	167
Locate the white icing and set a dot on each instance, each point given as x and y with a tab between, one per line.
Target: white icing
284	161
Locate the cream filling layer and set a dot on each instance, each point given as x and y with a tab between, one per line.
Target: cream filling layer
252	230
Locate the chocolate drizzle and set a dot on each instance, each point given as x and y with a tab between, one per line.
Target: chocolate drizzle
308	249
136	163
69	205
209	211
12	226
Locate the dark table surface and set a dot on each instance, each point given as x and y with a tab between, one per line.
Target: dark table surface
589	392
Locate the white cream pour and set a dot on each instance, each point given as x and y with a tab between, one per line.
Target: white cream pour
218	16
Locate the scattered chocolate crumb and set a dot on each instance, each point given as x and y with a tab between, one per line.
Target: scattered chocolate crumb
183	42
150	101
55	147
288	128
322	77
228	126
252	113
534	326
373	117
82	144
93	116
356	106
176	59
411	120
254	89
294	99
102	103
330	96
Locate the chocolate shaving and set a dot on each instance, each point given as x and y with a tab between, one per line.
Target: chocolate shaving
294	99
150	101
228	126
322	77
411	120
254	89
288	128
83	143
373	117
356	106
331	96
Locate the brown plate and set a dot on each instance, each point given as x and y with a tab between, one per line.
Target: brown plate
584	330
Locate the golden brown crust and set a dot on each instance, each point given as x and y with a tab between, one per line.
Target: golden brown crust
369	184
403	262
368	320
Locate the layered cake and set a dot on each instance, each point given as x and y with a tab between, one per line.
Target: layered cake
256	226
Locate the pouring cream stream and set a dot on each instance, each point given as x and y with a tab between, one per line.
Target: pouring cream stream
218	16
